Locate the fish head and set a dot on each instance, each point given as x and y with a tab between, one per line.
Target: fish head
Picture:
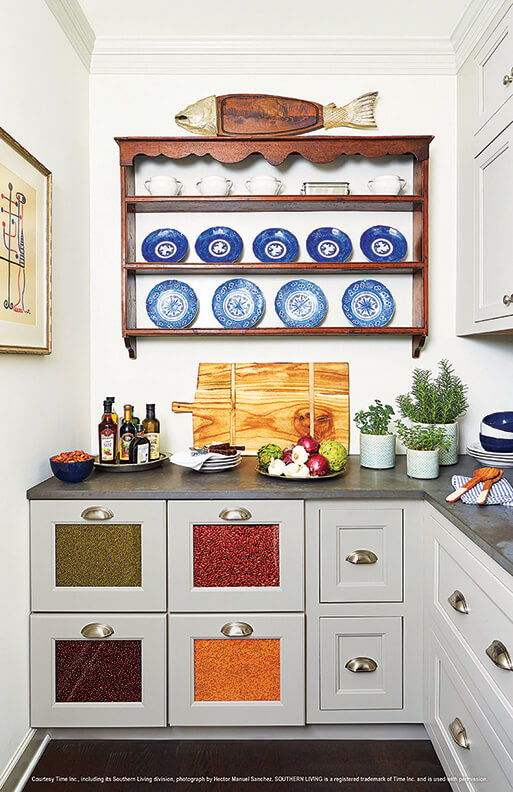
200	117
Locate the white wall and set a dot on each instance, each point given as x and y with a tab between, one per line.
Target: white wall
166	369
44	400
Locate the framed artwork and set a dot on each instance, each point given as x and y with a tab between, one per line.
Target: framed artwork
25	250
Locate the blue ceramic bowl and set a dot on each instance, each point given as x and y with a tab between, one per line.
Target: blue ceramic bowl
500	420
496	444
72	472
219	244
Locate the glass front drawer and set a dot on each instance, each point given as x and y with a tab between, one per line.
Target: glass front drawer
236	669
97	669
218	560
87	555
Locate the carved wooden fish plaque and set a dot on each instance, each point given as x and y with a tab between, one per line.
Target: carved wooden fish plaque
263	114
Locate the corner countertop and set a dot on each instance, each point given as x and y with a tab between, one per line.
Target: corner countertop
489	527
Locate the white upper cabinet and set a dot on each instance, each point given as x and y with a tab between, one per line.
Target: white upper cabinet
484	292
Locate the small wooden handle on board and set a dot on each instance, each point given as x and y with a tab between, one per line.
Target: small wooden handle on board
182	407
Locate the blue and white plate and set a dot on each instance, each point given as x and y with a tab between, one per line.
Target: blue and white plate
275	244
238	303
172	304
383	243
329	244
219	243
301	303
368	303
165	244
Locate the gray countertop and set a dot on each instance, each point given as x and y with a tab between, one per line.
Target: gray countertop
490	527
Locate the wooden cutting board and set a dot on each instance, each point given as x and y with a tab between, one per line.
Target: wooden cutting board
251	404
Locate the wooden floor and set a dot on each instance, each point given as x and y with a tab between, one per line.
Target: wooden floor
245	765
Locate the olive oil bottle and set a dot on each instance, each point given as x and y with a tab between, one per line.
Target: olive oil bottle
126	435
151	426
139	447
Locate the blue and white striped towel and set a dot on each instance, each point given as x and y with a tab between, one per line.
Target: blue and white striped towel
501	493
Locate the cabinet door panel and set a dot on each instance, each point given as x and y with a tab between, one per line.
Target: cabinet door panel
218	561
223	680
117	680
494	61
370	646
80	564
493	276
376	532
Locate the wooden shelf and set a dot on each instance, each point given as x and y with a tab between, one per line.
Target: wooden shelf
316	149
275	203
275	268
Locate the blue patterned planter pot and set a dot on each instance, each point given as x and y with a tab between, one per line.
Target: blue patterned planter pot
422	464
377	451
449	457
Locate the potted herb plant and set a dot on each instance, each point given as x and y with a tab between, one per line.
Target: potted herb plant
377	443
423	444
438	401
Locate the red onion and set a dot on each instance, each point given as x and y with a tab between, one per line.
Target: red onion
318	465
287	456
309	443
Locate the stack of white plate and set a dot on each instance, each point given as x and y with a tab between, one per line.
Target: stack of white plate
218	462
490	458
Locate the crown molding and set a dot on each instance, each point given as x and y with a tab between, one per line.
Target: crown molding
273	55
476	19
73	22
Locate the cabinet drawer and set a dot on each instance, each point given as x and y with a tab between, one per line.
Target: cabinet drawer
241	554
255	676
80	680
454	717
489	605
361	555
493	62
90	555
361	663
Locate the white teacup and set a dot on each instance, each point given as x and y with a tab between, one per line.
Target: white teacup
387	184
264	185
163	185
214	185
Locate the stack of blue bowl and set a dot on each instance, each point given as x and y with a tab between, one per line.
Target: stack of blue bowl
496	433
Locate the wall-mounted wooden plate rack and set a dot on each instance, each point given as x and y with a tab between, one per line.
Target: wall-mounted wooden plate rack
316	149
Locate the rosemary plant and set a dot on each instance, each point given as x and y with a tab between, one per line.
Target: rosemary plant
435	400
375	420
420	438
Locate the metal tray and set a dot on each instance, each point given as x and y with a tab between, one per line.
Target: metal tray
130	467
325	188
300	478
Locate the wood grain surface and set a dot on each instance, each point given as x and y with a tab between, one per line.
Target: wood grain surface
255	403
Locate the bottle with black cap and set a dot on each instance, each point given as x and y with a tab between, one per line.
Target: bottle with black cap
139	447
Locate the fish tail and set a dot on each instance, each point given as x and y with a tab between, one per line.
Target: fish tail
359	113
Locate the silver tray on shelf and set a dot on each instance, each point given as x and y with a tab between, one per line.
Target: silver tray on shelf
301	478
325	188
130	467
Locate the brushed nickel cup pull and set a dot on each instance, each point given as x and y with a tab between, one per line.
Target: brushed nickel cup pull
499	655
358	664
236	629
362	557
237	514
507	299
458	601
97	630
459	734
97	513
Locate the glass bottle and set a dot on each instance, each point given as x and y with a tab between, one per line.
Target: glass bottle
151	426
139	447
126	435
107	436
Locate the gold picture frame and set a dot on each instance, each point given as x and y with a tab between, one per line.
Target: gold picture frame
25	251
